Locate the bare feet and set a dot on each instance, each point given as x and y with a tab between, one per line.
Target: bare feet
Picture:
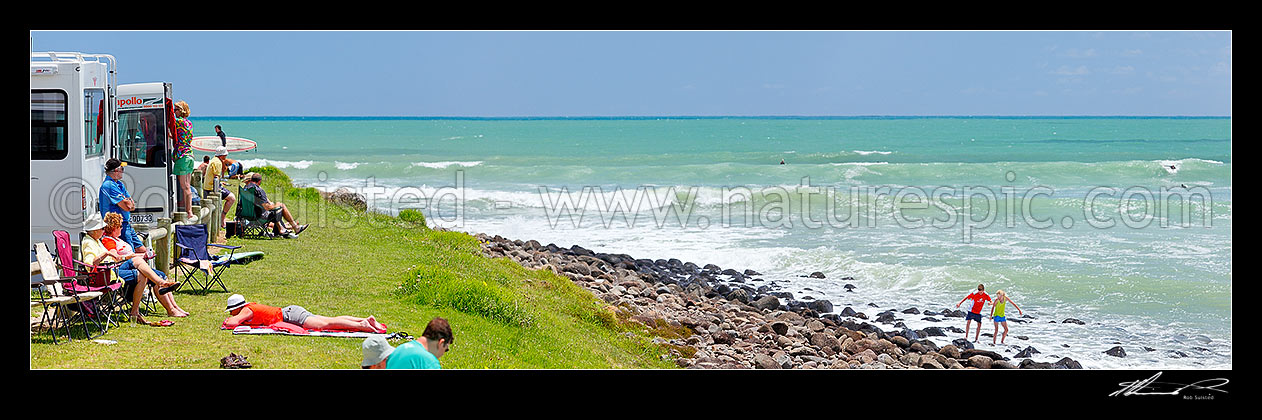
376	326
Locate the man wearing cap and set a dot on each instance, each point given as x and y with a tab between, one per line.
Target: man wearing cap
274	212
215	169
376	352
115	198
423	353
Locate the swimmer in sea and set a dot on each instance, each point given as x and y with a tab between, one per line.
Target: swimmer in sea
781	161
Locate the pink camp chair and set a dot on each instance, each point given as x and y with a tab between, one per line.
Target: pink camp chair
81	277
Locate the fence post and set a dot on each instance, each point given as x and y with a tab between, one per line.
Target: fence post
162	247
212	225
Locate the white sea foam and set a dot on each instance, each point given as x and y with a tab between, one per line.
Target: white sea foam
346	166
869	152
282	164
443	165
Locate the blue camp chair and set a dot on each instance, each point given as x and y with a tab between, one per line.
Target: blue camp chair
195	261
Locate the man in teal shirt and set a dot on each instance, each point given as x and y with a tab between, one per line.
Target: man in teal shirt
423	353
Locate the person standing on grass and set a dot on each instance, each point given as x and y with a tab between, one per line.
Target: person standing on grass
423	353
979	299
997	314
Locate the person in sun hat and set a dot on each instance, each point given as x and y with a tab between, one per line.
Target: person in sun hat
255	314
97	248
376	352
423	353
214	170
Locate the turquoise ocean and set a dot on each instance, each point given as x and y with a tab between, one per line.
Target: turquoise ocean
1123	223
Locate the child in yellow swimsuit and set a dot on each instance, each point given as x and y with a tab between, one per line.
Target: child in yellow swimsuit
997	313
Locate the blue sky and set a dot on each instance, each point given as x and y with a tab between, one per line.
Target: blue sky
668	73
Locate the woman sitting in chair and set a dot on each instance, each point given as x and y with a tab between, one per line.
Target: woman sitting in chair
134	268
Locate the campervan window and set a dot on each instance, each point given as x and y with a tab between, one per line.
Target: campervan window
94	125
141	138
48	124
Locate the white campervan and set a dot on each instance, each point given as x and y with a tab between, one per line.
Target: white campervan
79	119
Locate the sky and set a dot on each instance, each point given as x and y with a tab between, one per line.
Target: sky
674	73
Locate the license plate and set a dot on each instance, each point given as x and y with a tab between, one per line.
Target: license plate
141	219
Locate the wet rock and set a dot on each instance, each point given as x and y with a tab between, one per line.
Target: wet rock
1073	321
1029	351
934	332
980	361
817	275
969	353
821	306
1116	352
1068	363
849	287
848	312
767	303
962	343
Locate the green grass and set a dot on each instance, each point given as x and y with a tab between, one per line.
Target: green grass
355	263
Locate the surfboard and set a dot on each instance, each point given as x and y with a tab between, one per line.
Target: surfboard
210	143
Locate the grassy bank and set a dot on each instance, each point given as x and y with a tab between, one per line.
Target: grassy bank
351	262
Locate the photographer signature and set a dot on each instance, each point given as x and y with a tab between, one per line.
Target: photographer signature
1150	386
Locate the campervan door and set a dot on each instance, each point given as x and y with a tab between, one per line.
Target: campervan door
144	144
70	139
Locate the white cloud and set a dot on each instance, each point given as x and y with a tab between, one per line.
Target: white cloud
1071	71
1122	70
1132	53
1076	53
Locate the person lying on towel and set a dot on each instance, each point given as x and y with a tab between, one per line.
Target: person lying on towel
255	314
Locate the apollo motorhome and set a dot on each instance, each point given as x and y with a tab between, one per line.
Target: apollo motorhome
80	117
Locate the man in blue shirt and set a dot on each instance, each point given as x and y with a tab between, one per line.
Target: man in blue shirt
423	353
115	198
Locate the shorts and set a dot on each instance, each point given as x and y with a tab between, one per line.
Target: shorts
183	165
973	317
295	314
999	319
129	273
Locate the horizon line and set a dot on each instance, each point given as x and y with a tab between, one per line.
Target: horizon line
705	116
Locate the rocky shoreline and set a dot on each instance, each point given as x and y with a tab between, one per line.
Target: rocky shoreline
716	318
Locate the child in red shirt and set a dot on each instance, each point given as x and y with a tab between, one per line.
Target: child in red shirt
979	299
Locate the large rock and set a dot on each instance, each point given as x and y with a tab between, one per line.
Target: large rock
763	361
1116	352
739	295
962	343
780	327
817	275
980	361
825	341
767	302
1029	351
821	306
347	197
1068	363
967	354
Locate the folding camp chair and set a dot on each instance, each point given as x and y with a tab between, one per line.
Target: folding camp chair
250	220
194	257
79	276
62	307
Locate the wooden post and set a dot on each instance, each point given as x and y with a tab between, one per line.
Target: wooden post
212	225
162	246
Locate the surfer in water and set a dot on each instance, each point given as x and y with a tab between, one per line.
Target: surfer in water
781	161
